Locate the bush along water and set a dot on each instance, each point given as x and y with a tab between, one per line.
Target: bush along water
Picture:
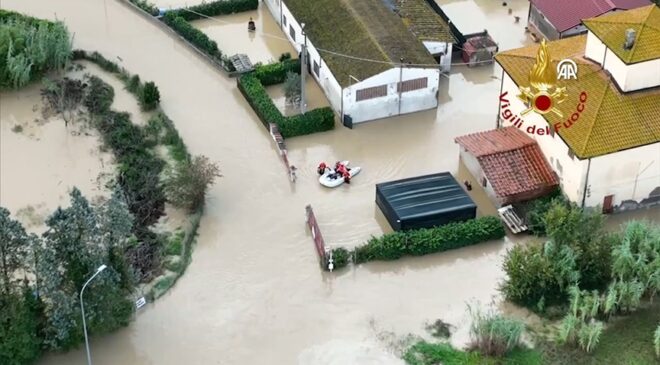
419	242
317	120
214	8
193	35
30	47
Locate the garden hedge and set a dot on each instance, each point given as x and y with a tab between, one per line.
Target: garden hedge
419	242
275	73
193	35
318	120
214	8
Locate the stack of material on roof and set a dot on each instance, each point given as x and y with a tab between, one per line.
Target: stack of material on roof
424	202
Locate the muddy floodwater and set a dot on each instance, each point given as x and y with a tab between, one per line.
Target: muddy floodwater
254	293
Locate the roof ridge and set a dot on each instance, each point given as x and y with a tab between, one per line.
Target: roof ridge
358	18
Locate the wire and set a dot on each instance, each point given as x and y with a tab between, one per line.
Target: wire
419	65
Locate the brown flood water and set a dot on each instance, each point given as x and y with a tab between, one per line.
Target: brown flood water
254	293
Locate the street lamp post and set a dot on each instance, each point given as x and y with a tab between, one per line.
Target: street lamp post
82	308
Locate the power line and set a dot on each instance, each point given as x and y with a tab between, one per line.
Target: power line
339	54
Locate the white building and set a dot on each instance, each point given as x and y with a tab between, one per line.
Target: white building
360	90
606	147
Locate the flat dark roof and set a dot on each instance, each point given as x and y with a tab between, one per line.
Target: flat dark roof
435	199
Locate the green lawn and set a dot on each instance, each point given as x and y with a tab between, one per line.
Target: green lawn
626	341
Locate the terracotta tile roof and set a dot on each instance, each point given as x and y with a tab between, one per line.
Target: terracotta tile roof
611	121
512	161
611	29
566	14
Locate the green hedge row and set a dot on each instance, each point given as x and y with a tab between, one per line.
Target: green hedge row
419	242
193	35
275	73
318	120
214	8
146	6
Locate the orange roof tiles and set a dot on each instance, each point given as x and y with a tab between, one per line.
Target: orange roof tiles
511	160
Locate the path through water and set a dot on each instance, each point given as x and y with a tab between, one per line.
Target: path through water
254	293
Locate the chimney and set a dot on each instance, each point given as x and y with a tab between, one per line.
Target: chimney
630	38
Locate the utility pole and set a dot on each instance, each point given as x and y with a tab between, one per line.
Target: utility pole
303	69
400	86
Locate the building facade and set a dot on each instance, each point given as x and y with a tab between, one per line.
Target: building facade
609	155
387	90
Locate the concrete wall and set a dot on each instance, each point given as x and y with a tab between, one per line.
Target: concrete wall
628	175
473	166
444	48
541	23
325	78
389	105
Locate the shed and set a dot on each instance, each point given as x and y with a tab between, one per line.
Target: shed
424	202
479	49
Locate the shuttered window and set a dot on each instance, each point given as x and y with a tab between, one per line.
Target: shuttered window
316	68
411	85
371	93
284	20
292	32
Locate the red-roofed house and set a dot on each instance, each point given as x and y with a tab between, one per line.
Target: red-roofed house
555	19
508	164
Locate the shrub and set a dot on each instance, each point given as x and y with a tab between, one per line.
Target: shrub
134	84
425	241
275	73
317	120
30	47
64	97
214	8
187	184
99	97
536	210
292	88
340	257
149	96
493	334
146	6
656	341
259	99
285	56
139	169
193	35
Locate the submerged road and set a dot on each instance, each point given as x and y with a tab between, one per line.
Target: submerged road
254	293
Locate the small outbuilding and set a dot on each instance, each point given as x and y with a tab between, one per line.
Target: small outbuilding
424	202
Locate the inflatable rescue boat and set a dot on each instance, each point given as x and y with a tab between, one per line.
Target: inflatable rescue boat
331	178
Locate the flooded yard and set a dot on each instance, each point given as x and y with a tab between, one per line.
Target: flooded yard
254	293
230	32
41	159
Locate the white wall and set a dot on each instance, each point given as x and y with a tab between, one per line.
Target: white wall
386	106
595	49
628	175
571	171
472	164
325	79
633	77
443	48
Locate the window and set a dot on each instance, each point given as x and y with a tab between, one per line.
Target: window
411	85
316	68
484	182
371	93
284	20
559	168
571	154
292	32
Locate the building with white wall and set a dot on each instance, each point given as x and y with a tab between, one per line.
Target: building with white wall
556	19
605	147
375	81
